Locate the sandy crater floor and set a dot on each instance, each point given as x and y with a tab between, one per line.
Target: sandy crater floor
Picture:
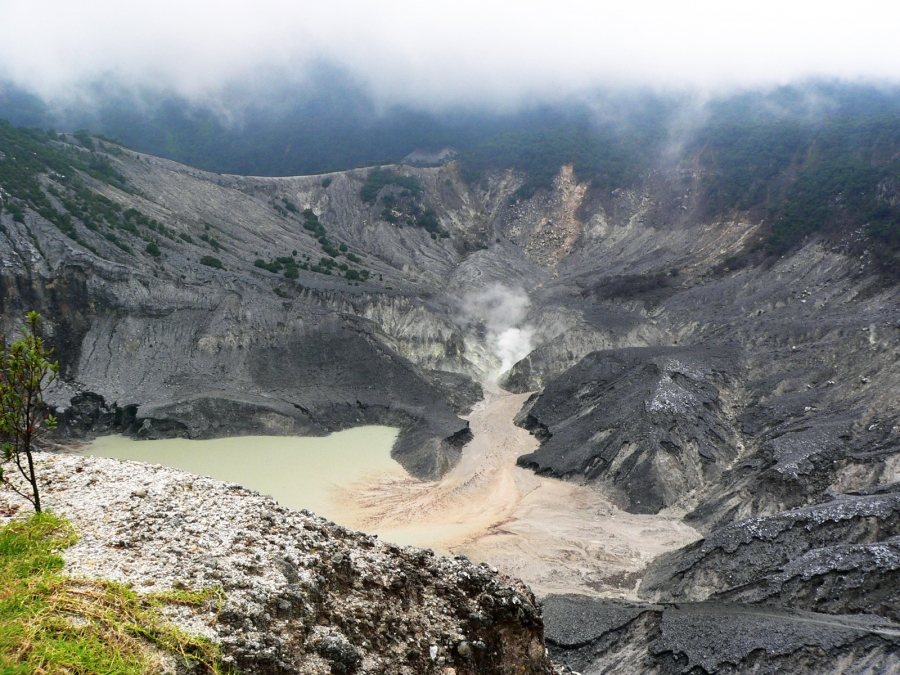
558	537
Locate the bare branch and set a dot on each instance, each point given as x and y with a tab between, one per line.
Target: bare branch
12	487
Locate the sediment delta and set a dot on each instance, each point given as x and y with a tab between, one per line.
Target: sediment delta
555	536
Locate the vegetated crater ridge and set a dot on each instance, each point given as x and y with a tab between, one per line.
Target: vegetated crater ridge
674	372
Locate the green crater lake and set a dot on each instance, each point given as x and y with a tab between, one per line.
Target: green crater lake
301	472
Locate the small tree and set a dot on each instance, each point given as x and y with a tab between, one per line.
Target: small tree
25	373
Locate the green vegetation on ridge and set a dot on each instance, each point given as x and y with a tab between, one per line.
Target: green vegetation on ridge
38	171
402	205
813	158
51	623
379	178
291	265
607	159
832	176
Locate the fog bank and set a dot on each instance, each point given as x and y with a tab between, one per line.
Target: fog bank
498	52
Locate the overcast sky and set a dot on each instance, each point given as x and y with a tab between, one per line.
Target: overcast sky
497	51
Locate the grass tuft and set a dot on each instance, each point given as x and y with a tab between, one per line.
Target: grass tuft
51	624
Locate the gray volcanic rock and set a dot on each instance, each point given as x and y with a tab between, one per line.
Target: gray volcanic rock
706	638
293	376
301	594
242	350
714	638
580	629
461	391
838	557
574	621
832	579
649	423
565	337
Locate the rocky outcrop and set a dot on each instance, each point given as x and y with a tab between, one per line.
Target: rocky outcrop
301	595
841	556
650	424
714	638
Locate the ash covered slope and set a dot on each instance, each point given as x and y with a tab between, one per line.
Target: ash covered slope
810	590
159	265
774	423
613	636
675	370
789	363
730	393
302	595
763	402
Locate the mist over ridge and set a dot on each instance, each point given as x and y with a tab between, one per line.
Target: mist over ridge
210	84
464	53
331	121
813	156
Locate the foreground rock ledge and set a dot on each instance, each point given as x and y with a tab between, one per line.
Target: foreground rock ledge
303	595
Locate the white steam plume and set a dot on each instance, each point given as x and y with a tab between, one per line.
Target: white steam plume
502	311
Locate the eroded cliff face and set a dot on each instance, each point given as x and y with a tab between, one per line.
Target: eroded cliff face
670	373
660	427
243	349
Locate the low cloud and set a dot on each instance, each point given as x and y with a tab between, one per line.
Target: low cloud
495	52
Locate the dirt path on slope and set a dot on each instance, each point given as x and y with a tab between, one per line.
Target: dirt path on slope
556	536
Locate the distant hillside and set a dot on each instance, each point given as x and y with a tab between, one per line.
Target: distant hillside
801	160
